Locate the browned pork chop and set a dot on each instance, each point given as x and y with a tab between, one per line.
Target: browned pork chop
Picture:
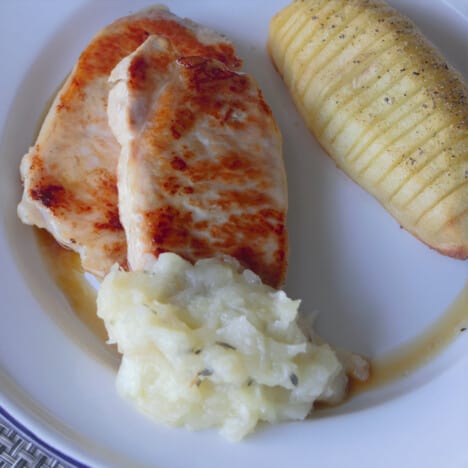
69	175
201	172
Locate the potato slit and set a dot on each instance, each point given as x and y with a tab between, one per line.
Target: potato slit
430	158
295	47
420	169
371	98
297	28
393	141
357	94
290	36
345	45
343	79
383	136
432	180
351	38
440	200
409	112
280	22
394	109
312	65
418	89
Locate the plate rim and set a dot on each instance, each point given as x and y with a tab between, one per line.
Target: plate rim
21	414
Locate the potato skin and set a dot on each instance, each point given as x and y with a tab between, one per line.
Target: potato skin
386	107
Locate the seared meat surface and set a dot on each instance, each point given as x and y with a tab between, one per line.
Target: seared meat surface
201	172
70	174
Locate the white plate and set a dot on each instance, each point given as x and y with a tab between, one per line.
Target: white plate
375	285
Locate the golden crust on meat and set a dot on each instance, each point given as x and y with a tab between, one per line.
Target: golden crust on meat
201	172
70	175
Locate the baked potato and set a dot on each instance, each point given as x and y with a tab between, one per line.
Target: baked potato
386	106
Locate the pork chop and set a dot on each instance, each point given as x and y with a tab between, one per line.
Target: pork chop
201	172
69	175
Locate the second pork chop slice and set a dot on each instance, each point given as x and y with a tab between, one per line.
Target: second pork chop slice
201	172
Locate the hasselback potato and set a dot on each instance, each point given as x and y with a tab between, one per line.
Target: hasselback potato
386	106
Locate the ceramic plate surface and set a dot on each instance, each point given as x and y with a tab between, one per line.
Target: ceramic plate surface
376	287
